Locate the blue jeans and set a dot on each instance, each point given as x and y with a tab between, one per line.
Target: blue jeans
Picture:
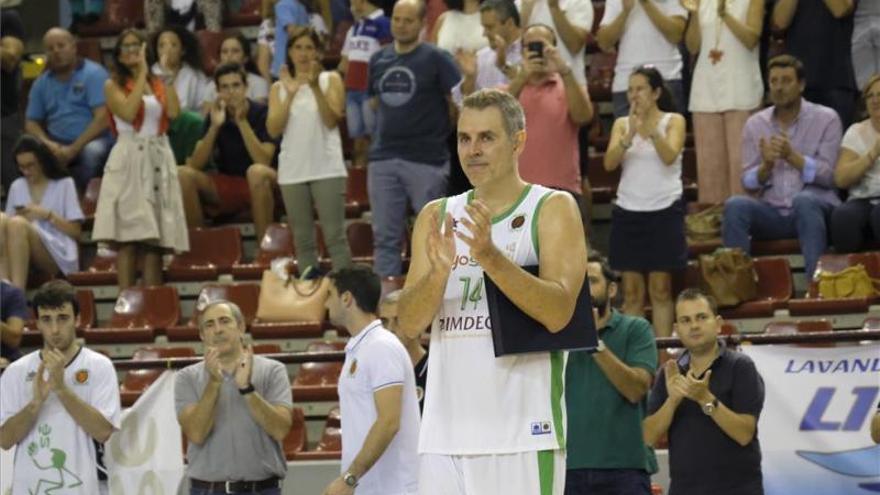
393	185
200	491
361	118
90	161
747	218
620	104
607	482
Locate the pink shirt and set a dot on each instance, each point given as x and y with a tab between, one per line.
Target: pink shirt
551	157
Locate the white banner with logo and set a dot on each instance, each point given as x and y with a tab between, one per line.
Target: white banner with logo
145	455
815	426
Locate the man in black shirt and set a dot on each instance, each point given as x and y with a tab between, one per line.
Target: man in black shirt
708	401
237	142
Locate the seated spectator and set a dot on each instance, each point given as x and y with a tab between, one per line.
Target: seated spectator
789	151
41	227
725	89
866	42
417	352
647	221
236	49
11	50
179	64
289	17
236	141
555	105
708	402
305	108
371	31
459	27
13	314
493	65
645	32
140	208
858	169
161	13
66	109
819	34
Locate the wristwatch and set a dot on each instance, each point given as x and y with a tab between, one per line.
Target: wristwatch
710	407
601	347
350	479
247	390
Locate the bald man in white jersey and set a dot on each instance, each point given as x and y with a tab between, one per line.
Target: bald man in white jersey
492	425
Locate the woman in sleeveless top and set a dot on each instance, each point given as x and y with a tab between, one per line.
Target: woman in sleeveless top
42	223
459	27
305	108
726	88
140	207
647	221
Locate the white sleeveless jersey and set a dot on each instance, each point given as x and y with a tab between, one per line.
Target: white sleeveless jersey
475	403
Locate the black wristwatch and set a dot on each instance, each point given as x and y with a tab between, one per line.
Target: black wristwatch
249	389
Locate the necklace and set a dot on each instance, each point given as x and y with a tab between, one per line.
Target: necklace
715	54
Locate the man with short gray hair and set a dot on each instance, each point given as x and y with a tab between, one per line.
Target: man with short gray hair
234	409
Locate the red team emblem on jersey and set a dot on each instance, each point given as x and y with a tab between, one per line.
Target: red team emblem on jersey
353	368
517	222
81	376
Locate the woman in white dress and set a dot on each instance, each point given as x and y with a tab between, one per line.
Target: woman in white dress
305	108
140	208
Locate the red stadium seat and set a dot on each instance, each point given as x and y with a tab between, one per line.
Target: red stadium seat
814	305
316	381
245	295
140	313
794	327
212	251
210	42
775	289
329	447
276	242
247	15
296	439
266	349
102	271
90	48
357	200
871	323
118	15
333	418
136	381
391	284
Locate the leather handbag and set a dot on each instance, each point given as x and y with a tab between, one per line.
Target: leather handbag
289	299
704	225
729	276
851	282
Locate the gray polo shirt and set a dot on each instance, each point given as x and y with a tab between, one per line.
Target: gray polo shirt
237	449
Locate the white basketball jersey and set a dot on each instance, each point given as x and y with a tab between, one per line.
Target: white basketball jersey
475	403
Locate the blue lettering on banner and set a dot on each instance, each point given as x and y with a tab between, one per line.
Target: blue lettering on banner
813	419
833	366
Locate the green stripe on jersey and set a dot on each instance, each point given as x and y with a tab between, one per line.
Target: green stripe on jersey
557	388
535	216
509	211
546	470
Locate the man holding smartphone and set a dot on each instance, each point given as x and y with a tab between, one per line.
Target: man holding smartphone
555	105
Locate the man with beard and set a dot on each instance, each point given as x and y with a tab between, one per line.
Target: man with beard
789	152
608	389
57	402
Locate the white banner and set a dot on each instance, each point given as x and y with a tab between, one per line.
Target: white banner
145	455
815	426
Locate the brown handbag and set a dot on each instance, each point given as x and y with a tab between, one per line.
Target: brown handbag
704	225
291	299
729	276
851	282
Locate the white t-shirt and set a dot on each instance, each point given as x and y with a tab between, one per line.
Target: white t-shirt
57	453
309	149
189	84
257	89
579	13
375	359
646	183
476	403
461	31
643	43
860	138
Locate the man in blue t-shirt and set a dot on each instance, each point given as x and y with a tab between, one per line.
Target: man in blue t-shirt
66	108
410	83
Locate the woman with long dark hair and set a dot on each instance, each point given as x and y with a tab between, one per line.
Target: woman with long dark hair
647	221
305	108
179	64
140	207
236	49
42	223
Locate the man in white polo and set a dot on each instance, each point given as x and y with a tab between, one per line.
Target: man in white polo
377	394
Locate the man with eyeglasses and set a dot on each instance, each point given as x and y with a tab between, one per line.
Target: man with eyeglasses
236	141
708	402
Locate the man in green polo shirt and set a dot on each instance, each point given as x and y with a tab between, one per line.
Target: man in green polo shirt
606	398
